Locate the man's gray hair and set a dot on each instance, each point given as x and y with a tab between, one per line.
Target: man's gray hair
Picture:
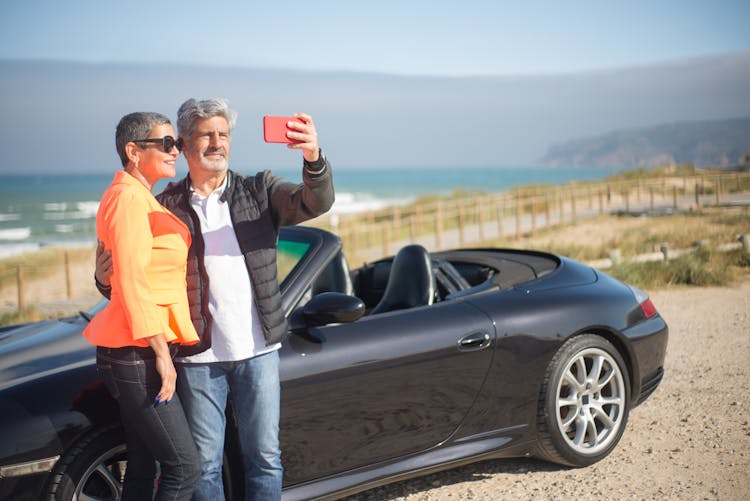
192	110
135	126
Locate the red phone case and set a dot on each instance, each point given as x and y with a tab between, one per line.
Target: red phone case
275	129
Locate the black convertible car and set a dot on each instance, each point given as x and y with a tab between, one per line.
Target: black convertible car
411	364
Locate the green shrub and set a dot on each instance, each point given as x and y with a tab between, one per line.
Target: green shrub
704	267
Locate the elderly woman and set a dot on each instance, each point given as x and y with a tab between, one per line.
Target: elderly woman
137	334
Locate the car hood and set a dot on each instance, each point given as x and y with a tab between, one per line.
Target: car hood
42	348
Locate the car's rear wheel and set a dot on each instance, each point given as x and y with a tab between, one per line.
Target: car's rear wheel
583	403
94	468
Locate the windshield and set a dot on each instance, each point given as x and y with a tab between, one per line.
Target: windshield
289	254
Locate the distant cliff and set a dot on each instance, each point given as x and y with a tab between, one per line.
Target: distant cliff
721	143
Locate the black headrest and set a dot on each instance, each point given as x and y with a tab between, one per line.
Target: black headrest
335	277
410	282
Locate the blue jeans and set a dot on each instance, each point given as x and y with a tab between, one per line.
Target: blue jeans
253	385
152	433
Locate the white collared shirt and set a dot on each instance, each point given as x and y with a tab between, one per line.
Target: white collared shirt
236	333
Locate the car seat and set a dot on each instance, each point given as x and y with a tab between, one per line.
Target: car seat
335	277
411	281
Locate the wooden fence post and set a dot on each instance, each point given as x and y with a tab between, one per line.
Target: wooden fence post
664	248
419	216
519	208
371	229
68	283
386	237
500	215
353	240
573	207
439	226
19	288
718	190
697	195
480	219
461	223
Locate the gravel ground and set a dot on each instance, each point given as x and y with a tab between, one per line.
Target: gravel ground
689	440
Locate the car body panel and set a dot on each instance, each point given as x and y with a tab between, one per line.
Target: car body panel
375	404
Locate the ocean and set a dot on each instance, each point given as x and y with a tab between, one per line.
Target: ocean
42	210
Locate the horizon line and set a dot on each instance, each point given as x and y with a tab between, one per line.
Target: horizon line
362	72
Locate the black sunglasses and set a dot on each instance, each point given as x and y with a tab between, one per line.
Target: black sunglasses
167	142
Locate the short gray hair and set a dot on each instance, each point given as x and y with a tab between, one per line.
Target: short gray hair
135	126
192	110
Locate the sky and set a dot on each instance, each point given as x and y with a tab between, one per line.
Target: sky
389	83
403	37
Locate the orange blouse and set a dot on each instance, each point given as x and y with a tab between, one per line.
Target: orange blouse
149	248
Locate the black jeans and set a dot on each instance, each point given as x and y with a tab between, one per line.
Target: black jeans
153	433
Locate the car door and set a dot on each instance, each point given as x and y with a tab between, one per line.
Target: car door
383	387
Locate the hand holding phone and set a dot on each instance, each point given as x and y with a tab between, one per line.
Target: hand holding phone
275	129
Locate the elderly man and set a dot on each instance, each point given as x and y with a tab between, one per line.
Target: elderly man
233	290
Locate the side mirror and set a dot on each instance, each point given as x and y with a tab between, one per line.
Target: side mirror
332	308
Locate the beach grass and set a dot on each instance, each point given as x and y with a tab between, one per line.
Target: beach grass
703	230
28	314
38	264
639	235
704	267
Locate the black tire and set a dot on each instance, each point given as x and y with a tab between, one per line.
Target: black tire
583	403
93	467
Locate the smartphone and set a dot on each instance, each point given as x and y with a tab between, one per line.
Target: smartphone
275	129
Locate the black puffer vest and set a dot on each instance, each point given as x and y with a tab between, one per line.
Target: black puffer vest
259	205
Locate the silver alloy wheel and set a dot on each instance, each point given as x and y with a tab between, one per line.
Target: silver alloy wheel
103	479
590	401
